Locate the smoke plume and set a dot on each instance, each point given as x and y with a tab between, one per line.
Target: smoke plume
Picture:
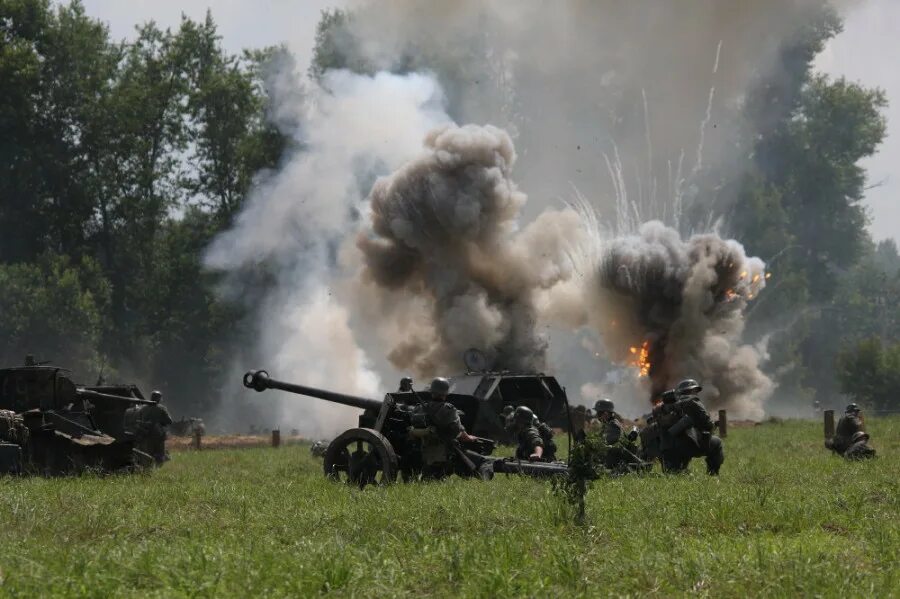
281	256
443	226
682	304
404	233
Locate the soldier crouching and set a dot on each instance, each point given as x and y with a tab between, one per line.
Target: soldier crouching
686	431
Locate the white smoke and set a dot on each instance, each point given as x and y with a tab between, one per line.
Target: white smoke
281	253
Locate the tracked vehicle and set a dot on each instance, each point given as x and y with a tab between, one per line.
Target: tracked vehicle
49	425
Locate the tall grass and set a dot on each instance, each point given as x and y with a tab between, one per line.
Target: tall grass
784	519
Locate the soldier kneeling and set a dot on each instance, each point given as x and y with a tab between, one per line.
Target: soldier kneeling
691	436
621	455
850	440
531	444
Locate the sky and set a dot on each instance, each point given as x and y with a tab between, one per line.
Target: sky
865	52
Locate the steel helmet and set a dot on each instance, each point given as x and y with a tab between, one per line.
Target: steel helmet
604	405
440	386
688	387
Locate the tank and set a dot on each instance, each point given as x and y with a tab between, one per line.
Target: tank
49	425
393	439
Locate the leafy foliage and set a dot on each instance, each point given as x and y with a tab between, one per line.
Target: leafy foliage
54	308
870	374
128	157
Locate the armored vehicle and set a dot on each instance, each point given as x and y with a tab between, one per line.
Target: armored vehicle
49	425
392	439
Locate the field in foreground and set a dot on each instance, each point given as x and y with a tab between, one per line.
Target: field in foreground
784	519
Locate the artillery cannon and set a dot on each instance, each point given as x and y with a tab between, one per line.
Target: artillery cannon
386	442
50	425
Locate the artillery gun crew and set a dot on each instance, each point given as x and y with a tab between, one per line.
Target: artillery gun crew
393	437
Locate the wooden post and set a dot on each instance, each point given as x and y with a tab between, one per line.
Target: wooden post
197	443
276	437
723	423
829	424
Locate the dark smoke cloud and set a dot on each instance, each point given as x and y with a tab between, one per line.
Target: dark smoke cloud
443	227
686	299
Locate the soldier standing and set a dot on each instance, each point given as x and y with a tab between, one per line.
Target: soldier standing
406	385
155	419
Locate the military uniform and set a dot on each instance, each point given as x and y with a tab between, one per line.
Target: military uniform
444	417
698	440
847	426
528	439
622	453
690	437
154	420
546	434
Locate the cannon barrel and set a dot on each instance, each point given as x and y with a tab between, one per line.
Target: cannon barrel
101	397
260	381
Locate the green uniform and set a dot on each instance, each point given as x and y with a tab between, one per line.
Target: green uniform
622	454
691	437
529	439
154	421
444	417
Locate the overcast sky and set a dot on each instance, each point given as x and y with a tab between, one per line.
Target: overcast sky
867	51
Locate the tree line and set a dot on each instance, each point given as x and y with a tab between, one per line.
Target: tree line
120	161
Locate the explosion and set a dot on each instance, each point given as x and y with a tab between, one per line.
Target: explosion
443	230
685	300
641	358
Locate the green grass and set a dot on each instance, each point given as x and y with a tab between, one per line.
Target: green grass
785	519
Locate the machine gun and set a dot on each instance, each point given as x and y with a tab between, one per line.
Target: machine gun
392	439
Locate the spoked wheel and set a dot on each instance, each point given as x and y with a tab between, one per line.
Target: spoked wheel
361	456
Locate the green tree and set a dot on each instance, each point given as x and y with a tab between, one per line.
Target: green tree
870	374
128	157
53	309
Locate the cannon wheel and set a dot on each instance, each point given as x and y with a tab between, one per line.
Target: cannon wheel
361	456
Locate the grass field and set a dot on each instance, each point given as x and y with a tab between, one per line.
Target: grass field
785	519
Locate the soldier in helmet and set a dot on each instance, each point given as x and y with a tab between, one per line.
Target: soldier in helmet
406	385
610	422
691	435
154	422
621	455
849	425
442	415
530	443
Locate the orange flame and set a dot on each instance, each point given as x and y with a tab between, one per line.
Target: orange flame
641	358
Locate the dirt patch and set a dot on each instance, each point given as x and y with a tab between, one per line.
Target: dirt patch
229	442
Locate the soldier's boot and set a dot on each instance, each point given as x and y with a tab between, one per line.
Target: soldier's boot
715	456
